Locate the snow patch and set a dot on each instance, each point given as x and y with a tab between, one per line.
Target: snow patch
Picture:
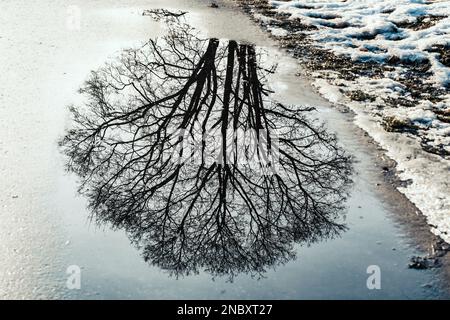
376	29
427	175
382	31
331	93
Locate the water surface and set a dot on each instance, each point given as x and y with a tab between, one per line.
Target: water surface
44	224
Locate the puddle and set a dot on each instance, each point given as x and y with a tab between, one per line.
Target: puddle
52	222
181	146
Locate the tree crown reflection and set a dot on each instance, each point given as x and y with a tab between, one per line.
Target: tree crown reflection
180	144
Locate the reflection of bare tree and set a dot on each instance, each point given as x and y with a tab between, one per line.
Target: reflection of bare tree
223	215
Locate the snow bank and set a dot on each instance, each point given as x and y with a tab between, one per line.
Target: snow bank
377	30
381	31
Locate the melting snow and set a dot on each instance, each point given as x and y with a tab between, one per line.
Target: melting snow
372	31
377	31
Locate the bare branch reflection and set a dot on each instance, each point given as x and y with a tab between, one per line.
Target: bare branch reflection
180	145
